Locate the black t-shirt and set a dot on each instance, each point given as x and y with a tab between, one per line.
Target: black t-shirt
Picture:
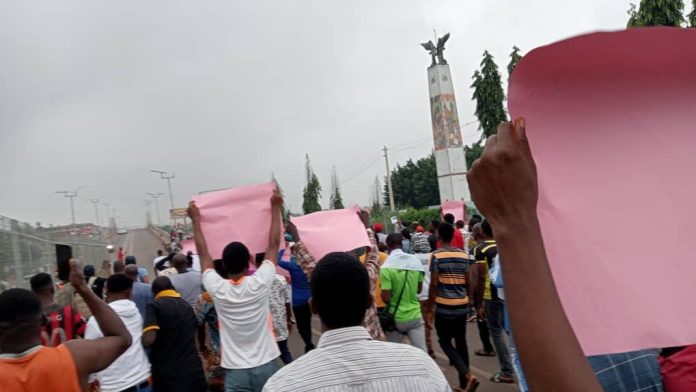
174	356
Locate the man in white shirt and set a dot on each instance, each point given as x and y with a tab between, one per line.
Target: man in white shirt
131	370
242	304
346	358
160	257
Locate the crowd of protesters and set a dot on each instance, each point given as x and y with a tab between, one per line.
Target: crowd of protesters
382	308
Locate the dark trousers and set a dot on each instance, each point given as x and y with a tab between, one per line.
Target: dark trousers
494	316
454	328
303	316
285	354
485	335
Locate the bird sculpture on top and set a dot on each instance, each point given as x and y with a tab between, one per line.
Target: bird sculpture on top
436	52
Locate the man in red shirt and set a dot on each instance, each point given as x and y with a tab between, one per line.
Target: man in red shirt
61	323
458	239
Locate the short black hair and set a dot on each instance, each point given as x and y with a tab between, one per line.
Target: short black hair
220	268
394	239
18	306
459	224
486	228
130	260
159	252
119	266
474	220
477	217
449	218
40	281
118	283
406	233
161	283
434	224
445	233
235	257
259	258
341	290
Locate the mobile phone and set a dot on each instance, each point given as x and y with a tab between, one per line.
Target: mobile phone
63	255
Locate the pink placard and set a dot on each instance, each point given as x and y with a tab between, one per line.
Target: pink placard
455	208
611	120
239	214
331	231
188	245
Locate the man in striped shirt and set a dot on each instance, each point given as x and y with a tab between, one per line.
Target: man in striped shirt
449	280
347	358
61	323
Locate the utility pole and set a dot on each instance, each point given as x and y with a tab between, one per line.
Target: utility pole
147	204
96	209
389	181
71	195
165	176
154	197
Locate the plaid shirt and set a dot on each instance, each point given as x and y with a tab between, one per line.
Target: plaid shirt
308	262
628	372
419	243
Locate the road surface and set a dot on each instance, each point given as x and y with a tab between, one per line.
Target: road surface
143	245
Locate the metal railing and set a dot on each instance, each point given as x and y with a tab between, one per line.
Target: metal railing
26	250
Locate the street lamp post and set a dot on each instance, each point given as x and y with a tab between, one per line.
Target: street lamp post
165	176
96	209
155	197
71	195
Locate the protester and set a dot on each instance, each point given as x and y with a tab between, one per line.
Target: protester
242	305
379	232
458	239
419	241
131	370
160	257
402	278
281	315
449	268
94	281
308	263
170	330
481	323
427	308
62	323
142	292
300	297
121	254
503	186
105	270
142	271
186	281
119	267
209	331
678	368
471	242
432	237
379	304
406	241
347	358
27	366
629	372
489	305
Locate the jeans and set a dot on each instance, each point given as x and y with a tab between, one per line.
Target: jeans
415	329
454	328
428	318
303	316
485	335
494	316
249	380
285	354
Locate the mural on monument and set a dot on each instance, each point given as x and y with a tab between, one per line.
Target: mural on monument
446	131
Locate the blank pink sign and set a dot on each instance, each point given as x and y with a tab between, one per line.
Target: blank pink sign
331	231
611	119
455	208
239	214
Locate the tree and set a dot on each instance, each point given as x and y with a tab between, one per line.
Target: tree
376	197
692	15
656	13
514	59
414	184
336	201
312	190
489	96
472	153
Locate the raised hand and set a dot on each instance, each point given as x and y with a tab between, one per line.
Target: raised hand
193	212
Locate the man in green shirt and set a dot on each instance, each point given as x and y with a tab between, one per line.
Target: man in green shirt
401	278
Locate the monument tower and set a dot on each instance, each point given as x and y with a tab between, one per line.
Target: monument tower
447	135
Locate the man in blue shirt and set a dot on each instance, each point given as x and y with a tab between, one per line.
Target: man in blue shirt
300	298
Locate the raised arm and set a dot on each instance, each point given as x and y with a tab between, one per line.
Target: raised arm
274	233
372	255
92	356
201	246
305	259
503	185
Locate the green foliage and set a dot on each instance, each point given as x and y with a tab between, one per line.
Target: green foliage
692	15
336	199
515	58
423	216
489	96
656	13
311	195
415	184
473	153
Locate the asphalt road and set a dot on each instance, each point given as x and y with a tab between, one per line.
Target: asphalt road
143	245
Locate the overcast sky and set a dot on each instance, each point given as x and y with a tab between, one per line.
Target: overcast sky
224	93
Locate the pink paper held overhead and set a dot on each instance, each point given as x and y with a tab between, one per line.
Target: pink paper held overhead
611	120
324	232
239	214
455	208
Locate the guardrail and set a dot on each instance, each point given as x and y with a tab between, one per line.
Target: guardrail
161	234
